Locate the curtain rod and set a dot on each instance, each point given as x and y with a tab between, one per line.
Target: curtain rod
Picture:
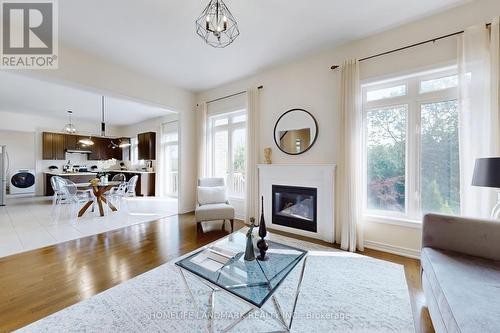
412	45
232	95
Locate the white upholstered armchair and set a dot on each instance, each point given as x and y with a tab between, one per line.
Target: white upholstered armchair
212	204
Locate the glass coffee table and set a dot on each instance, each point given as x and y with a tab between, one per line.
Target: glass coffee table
222	268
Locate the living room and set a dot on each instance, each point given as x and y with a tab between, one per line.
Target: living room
336	177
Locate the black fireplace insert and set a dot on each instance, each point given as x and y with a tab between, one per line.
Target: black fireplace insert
295	207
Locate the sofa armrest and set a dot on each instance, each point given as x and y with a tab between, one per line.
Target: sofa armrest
474	237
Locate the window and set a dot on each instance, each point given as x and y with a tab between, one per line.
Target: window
439	167
169	143
386	150
441	83
134	151
228	150
375	95
411	145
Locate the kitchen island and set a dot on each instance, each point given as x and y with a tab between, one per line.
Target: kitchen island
75	177
145	184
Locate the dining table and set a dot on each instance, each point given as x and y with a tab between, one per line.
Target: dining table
99	190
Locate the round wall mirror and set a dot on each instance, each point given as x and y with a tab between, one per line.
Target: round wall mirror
295	132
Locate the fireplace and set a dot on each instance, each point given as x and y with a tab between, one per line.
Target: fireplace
295	207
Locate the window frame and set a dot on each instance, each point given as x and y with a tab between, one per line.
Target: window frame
165	144
134	152
414	100
230	127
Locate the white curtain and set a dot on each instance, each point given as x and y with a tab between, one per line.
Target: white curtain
348	193
201	118
479	127
495	85
252	155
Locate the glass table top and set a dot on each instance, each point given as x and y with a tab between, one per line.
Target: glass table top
223	265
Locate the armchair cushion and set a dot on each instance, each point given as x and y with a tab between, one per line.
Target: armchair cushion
211	182
211	195
212	212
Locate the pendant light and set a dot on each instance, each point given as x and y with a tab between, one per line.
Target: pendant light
86	141
120	144
216	25
112	144
103	124
69	127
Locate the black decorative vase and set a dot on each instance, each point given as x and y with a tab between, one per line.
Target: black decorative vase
262	244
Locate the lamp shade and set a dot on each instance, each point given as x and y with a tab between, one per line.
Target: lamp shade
487	172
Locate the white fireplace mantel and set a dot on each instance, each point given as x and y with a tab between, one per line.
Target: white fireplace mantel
319	176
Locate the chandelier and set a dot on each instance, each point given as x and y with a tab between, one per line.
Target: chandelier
69	127
216	25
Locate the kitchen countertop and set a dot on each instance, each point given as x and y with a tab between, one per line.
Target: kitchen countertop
71	173
57	173
131	171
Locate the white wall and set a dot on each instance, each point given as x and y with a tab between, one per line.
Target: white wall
26	122
310	84
21	149
88	72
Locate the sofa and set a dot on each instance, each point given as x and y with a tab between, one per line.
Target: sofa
460	261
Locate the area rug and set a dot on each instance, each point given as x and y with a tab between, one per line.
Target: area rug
341	292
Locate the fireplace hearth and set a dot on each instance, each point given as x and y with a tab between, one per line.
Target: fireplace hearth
295	207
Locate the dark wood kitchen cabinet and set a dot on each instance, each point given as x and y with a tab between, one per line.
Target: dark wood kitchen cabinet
146	144
113	151
53	146
47	139
71	142
98	149
59	148
103	149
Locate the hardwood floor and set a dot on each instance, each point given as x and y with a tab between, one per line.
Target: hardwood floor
40	282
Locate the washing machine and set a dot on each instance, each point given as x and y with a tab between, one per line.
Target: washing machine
22	182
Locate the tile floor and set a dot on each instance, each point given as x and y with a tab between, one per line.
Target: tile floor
30	223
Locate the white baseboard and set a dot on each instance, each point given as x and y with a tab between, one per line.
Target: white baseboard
402	251
20	195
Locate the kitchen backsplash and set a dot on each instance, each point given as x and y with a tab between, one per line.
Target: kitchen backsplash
81	159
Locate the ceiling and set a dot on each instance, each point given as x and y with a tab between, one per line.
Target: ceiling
22	94
157	37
